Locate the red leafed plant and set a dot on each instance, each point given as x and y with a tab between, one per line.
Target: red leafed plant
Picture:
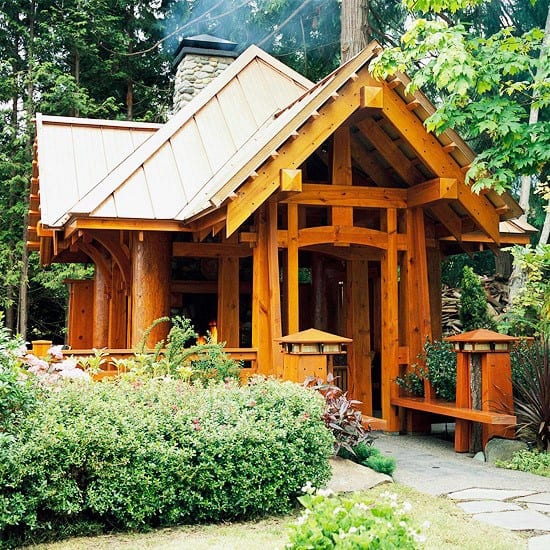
341	415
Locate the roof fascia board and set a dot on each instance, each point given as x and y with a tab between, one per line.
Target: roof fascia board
127	167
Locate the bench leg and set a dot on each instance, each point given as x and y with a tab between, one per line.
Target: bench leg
462	435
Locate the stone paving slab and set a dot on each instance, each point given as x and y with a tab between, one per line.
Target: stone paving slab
480	506
539	498
544	508
539	543
524	520
488	494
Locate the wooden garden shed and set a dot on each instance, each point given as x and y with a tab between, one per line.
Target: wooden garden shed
267	205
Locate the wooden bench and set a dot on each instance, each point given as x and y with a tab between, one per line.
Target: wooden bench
464	417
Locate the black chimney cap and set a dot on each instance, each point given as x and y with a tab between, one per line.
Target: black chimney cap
205	44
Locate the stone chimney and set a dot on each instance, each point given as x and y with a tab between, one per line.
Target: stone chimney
199	59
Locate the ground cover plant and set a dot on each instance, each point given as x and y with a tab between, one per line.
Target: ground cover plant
534	462
95	457
353	521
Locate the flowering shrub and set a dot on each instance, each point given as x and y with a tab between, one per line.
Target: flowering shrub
50	373
155	452
353	521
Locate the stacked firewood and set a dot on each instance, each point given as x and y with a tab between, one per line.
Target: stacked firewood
497	290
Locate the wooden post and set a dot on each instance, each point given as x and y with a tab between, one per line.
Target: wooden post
261	333
358	328
390	323
228	301
274	311
342	173
319	292
292	271
101	308
118	310
151	275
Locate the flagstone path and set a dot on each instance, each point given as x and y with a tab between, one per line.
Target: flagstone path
513	500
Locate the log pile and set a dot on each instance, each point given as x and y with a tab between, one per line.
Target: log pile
497	290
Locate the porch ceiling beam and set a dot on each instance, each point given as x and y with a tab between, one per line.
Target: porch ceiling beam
210	250
432	191
368	163
312	130
344	195
432	154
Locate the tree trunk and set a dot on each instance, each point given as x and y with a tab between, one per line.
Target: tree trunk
545	231
353	35
527	181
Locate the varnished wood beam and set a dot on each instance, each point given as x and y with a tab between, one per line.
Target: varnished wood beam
123	224
432	191
292	270
342	234
343	195
210	250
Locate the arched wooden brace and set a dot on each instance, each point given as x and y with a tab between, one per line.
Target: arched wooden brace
342	234
119	253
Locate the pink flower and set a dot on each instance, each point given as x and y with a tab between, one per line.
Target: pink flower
55	352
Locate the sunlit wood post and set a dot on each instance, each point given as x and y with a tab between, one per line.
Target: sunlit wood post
151	273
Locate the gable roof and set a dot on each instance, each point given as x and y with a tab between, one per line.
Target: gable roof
225	145
161	174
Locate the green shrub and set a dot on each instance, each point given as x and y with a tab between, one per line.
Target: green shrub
17	392
353	521
367	455
440	369
534	462
125	455
473	303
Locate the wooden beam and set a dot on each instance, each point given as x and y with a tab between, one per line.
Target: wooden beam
123	224
431	152
342	173
342	234
210	250
432	191
366	160
313	132
348	196
291	180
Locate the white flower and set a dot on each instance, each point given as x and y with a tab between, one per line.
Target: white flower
325	492
353	529
361	506
426	525
337	510
407	506
308	488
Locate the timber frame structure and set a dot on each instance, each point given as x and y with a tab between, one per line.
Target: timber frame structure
280	205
